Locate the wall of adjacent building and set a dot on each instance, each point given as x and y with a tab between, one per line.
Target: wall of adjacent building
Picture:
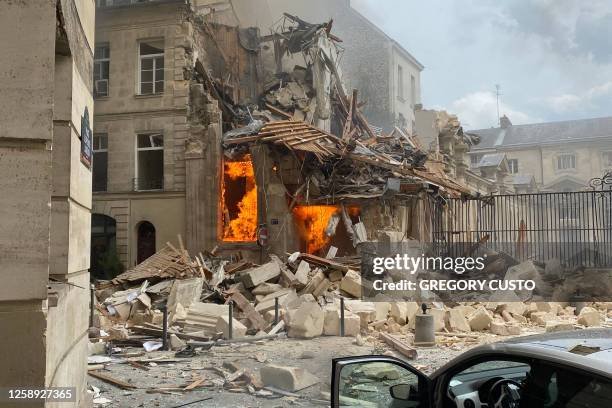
45	87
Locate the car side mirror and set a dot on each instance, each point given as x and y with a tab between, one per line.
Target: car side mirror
400	392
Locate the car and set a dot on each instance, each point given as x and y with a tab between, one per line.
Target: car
571	369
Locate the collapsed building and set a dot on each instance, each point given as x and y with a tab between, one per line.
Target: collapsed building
243	142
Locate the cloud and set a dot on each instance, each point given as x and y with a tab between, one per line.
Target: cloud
569	28
571	102
478	110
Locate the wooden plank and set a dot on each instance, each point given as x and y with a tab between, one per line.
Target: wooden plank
323	262
399	345
110	380
274	109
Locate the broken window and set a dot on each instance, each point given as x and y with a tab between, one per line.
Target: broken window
100	162
149	162
566	161
400	82
239	201
513	165
101	70
151	72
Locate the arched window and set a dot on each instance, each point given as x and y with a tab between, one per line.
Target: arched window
146	241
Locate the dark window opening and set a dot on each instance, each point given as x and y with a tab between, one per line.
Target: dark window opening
105	263
100	162
149	162
146	241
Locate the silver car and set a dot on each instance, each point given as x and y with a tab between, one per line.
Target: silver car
557	370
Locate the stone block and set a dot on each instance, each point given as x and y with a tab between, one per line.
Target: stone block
457	321
480	319
306	321
260	274
540	318
351	283
589	317
238	329
331	325
398	312
176	343
290	379
382	310
557	326
301	273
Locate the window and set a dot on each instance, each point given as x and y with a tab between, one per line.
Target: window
100	162
566	161
606	160
413	98
513	165
101	70
400	82
475	159
151	72
149	162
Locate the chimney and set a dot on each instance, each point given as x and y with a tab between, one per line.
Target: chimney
504	122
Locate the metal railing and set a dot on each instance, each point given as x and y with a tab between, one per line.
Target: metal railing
140	184
573	227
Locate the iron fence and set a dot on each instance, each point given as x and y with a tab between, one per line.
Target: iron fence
573	227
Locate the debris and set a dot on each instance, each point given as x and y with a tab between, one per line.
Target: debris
306	321
287	378
589	317
261	274
399	345
113	381
480	319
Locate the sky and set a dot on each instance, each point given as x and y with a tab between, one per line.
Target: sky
551	58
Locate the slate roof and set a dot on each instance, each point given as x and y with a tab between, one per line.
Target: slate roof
489	160
544	133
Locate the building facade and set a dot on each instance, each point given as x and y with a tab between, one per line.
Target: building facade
387	76
555	156
45	158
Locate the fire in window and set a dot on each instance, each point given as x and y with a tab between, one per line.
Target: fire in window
320	226
239	201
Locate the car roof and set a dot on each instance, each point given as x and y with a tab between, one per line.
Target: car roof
589	350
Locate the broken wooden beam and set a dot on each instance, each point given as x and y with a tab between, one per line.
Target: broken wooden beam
113	381
399	345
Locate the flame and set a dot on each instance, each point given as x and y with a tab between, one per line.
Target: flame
311	223
244	226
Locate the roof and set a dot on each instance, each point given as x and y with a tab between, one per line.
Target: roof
544	133
491	160
594	354
521	179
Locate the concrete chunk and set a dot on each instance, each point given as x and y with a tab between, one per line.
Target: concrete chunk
480	319
557	326
306	321
351	283
287	378
260	274
589	317
398	312
331	325
238	329
301	274
457	321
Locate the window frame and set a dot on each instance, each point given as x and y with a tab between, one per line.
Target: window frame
144	149
572	161
513	166
153	58
102	61
95	150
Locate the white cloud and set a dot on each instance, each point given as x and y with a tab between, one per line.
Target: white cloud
479	110
571	102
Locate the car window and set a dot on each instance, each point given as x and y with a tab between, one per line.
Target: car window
554	387
378	385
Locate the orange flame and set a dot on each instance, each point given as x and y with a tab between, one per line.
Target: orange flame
242	227
311	223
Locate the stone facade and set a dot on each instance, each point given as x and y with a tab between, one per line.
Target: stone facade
45	91
555	156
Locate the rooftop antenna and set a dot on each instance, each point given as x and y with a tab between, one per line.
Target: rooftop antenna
497	95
